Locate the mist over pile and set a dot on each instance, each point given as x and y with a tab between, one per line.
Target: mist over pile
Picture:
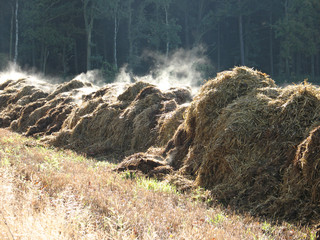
89	115
182	68
31	77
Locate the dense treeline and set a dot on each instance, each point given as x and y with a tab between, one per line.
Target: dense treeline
280	37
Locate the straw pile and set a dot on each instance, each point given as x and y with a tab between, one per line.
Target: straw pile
125	123
240	139
44	115
255	145
14	95
115	119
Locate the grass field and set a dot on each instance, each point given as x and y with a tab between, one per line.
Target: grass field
47	193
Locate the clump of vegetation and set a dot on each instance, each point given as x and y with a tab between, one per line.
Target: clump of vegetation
240	139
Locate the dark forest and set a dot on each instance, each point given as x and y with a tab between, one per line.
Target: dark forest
64	38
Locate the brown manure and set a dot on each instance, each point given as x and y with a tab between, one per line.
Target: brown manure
115	119
14	96
68	87
125	124
301	187
142	162
240	136
27	106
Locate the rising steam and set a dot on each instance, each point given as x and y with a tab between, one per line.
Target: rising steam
180	69
38	80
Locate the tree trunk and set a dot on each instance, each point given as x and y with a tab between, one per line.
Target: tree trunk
186	27
318	65
219	48
246	34
168	37
313	66
298	63
88	21
11	32
287	67
130	34
17	35
116	27
199	35
33	53
44	58
271	45
89	34
241	41
64	61
158	24
241	37
76	65
286	5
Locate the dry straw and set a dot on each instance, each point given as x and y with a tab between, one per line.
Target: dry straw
240	139
115	119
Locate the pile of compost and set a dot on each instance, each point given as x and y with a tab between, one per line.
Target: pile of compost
108	123
115	119
254	144
37	108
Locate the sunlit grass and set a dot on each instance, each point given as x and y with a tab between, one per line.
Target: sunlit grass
156	186
47	193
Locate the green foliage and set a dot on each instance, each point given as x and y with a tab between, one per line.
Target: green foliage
48	27
297	29
128	175
267	227
218	219
155	185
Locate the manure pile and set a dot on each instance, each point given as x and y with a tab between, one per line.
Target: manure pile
254	144
117	119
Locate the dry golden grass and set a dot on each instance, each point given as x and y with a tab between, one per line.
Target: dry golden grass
51	194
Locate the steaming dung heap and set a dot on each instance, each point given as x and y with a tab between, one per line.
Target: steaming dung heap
123	124
117	118
248	141
255	145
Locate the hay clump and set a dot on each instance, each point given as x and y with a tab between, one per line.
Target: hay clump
68	87
141	162
30	106
206	107
170	120
180	95
125	124
241	134
307	161
133	90
121	118
41	115
52	121
301	185
14	96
